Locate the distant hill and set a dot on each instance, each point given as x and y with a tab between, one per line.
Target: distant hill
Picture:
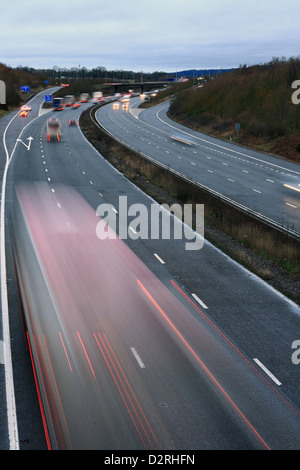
257	97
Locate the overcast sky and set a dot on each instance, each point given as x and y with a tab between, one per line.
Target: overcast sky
164	35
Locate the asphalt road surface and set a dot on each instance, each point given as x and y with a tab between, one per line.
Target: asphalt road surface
138	343
263	183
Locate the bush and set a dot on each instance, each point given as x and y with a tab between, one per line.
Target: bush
259	97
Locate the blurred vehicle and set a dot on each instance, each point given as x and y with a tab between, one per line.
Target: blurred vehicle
116	106
72	122
76	105
58	104
97	95
184	139
25	108
84	97
125	99
64	291
295	186
69	100
53	130
23	113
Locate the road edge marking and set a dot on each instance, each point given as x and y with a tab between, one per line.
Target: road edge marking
264	368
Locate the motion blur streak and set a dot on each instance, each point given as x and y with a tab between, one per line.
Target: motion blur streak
86	355
56	389
65	351
126	380
120	391
39	395
48	377
112	356
67	292
190	349
292	187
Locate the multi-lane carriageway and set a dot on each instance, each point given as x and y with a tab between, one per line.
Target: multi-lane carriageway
260	182
139	342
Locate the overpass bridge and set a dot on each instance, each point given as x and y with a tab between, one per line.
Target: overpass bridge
143	86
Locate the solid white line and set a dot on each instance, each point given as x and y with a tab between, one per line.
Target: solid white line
12	422
267	371
159	259
138	358
199	301
288	204
2	355
222	146
9	380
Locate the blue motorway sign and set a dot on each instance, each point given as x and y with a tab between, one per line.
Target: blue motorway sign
25	88
48	98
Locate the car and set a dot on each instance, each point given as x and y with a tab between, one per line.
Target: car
53	130
72	122
23	113
60	108
25	108
116	105
76	105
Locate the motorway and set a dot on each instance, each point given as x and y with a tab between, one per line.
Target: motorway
138	343
258	181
